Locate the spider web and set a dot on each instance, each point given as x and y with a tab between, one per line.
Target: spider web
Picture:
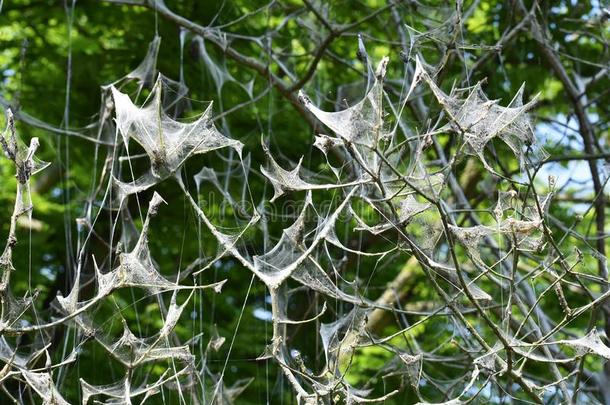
388	188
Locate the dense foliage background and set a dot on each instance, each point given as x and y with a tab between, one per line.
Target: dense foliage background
55	56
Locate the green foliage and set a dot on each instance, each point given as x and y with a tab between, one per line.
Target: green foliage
106	41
